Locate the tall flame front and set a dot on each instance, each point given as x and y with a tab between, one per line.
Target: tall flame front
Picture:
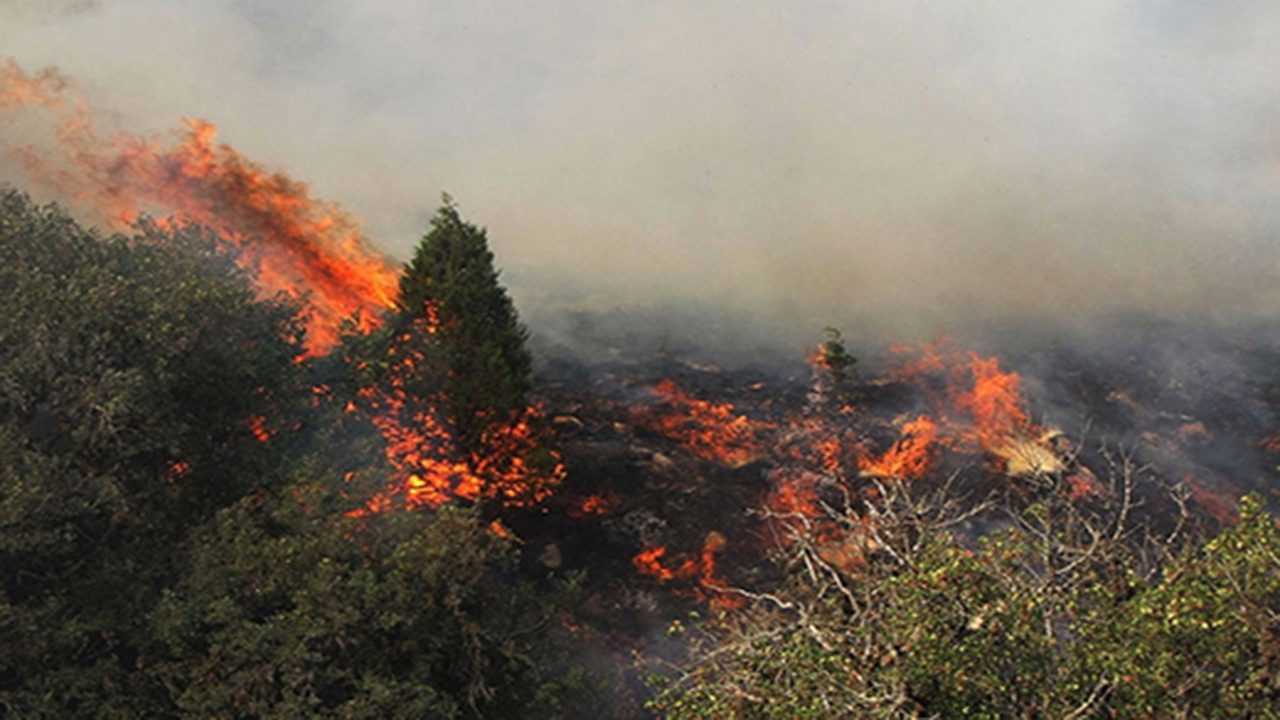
308	249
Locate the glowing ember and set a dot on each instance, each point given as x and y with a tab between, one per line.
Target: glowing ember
176	470
594	505
258	426
306	248
794	495
649	562
1085	485
1222	505
1270	443
499	530
794	513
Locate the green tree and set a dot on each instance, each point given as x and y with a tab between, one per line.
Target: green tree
449	374
183	510
452	308
836	359
142	386
293	610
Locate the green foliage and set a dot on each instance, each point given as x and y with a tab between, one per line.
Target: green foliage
453	310
176	494
131	370
1205	640
836	359
289	614
1062	615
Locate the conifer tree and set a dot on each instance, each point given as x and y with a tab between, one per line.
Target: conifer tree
453	309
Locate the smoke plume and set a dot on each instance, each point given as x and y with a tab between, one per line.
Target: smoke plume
906	167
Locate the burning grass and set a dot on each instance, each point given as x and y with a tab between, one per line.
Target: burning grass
709	430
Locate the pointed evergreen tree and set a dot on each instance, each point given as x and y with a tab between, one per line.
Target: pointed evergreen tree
454	310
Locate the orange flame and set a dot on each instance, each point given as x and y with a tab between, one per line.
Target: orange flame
911	457
310	250
796	515
712	588
430	469
983	405
794	495
995	402
306	248
711	431
17	89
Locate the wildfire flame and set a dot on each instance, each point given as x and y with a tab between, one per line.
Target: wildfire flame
308	249
911	457
430	469
702	569
982	406
17	89
712	431
976	408
995	402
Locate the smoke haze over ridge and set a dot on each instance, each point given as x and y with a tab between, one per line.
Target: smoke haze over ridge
909	165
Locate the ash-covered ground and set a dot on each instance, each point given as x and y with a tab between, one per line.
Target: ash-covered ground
681	457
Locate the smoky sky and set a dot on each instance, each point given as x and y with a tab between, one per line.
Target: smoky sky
904	165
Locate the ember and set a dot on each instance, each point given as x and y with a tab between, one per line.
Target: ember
710	588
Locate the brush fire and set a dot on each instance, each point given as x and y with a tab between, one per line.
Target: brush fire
671	484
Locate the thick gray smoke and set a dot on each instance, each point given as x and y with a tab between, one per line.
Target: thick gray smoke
909	166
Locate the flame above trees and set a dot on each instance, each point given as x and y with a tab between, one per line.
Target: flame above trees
306	248
313	252
18	89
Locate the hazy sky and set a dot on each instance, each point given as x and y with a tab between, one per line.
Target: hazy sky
811	161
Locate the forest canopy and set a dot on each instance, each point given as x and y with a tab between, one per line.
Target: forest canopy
180	509
201	517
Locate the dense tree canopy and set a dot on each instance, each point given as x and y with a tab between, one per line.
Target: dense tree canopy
177	487
185	531
135	376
